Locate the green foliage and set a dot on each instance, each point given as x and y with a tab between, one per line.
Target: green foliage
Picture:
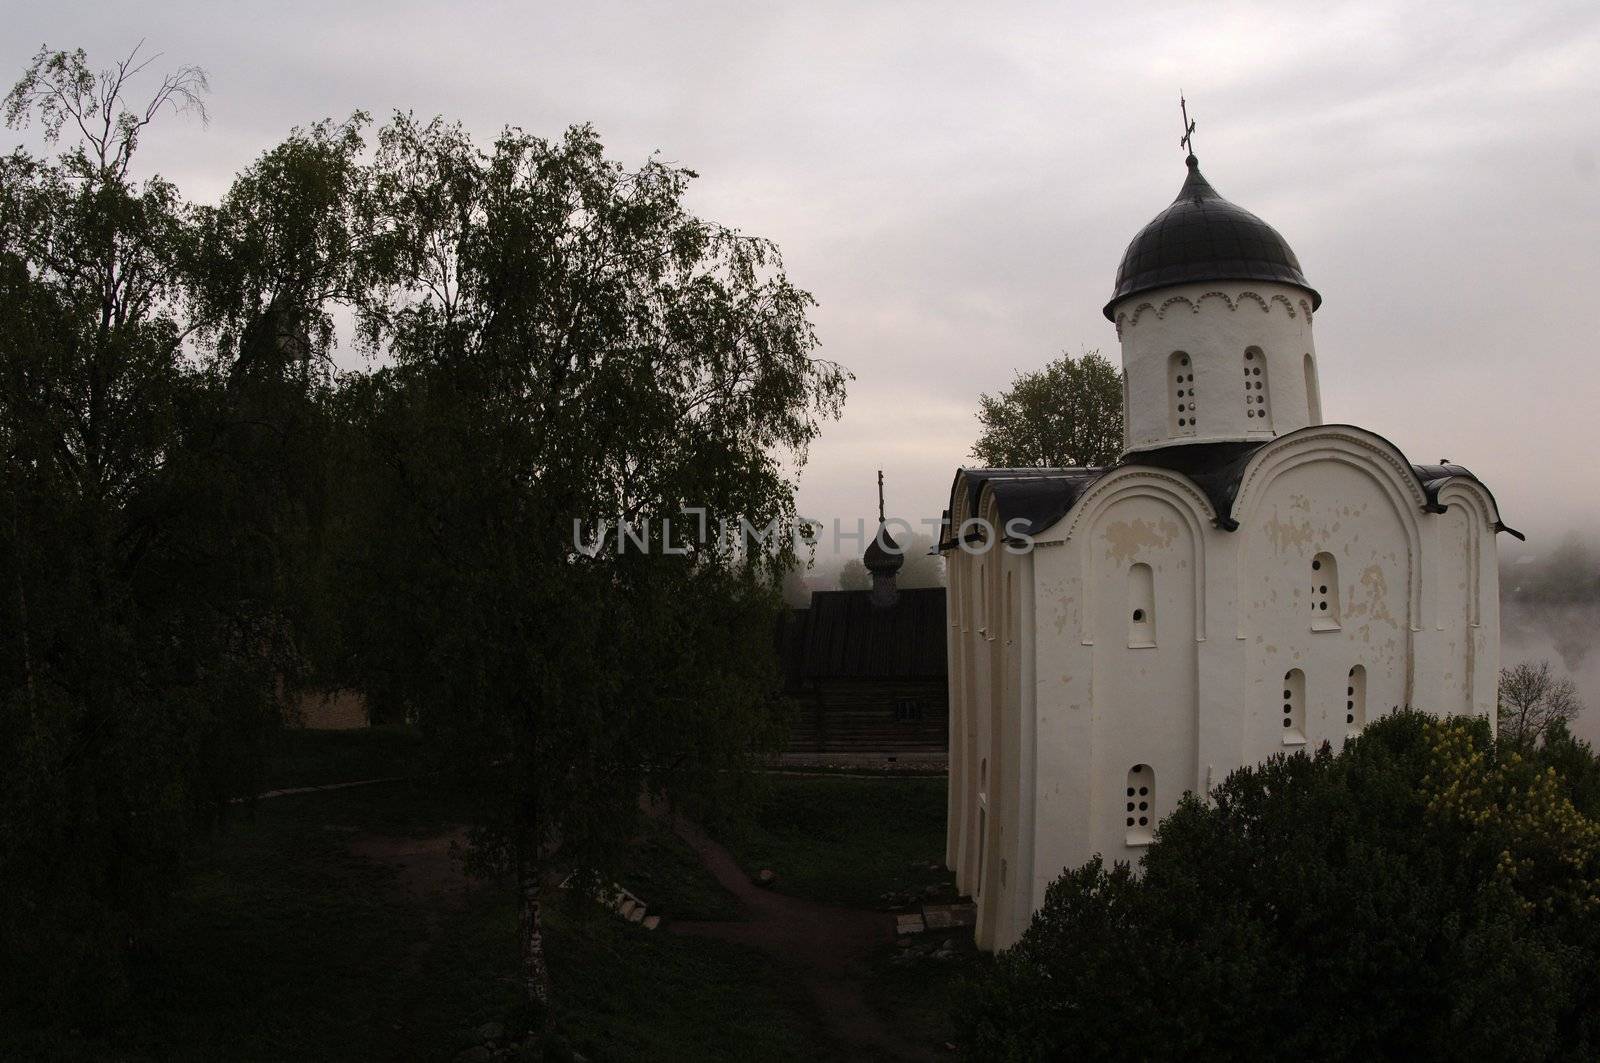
1417	892
200	514
1067	414
571	349
137	547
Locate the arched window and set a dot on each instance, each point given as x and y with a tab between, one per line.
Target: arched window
1257	407
1294	707
1355	703
1313	395
1141	606
1181	388
1324	593
1141	804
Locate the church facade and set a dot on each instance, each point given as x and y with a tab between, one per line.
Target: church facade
1247	579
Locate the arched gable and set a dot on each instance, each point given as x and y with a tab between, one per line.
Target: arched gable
1177	493
1468	492
1370	454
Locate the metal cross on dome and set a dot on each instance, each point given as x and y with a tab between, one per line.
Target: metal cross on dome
880	496
1187	143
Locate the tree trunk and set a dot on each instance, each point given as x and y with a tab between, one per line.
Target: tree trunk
535	975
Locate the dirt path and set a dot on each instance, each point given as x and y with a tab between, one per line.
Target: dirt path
829	945
426	868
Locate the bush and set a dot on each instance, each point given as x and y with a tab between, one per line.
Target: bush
1414	894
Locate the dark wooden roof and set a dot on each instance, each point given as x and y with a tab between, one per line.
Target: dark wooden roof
844	636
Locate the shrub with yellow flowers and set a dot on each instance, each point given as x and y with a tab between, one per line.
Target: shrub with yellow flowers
1515	810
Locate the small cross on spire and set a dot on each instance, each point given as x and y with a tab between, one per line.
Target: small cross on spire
1187	143
880	496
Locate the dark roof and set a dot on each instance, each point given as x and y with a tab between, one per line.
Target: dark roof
1036	498
883	553
844	636
1215	468
1203	237
1434	477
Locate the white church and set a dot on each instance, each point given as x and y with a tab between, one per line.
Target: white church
1247	579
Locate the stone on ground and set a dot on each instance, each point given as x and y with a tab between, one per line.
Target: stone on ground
949	916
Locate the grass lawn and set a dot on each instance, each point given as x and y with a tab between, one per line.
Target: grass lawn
919	997
843	840
310	930
312	758
667	875
292	941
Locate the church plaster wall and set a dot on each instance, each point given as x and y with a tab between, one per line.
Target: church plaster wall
1204	331
1335	518
1139	633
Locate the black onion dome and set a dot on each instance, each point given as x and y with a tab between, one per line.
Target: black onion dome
883	553
1203	237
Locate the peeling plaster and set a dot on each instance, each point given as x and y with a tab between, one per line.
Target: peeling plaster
1284	535
1125	538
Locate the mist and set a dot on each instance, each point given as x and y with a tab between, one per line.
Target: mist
1550	610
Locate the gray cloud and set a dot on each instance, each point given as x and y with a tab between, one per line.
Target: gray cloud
956	186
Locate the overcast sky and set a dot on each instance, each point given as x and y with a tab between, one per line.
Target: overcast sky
956	183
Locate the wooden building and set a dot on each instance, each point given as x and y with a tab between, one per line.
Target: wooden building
865	670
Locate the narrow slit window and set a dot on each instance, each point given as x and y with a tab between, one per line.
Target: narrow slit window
1355	695
1180	373
1257	406
1140	801
1294	707
1141	606
1324	593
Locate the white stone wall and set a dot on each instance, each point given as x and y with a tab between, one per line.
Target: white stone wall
1058	690
1247	347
